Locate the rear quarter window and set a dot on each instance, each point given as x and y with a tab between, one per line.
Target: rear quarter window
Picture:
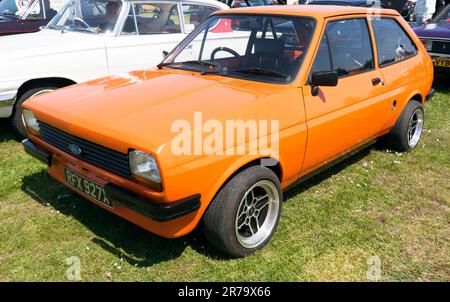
393	43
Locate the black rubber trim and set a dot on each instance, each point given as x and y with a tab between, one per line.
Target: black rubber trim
147	207
430	94
36	152
330	164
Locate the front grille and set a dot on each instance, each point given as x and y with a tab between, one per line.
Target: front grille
441	47
101	157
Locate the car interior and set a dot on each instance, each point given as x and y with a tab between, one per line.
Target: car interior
274	46
155	18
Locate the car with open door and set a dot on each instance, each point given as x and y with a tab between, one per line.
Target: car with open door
230	119
29	18
88	39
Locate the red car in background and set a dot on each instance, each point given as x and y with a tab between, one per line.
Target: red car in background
24	16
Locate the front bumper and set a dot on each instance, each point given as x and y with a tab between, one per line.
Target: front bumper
152	209
7	100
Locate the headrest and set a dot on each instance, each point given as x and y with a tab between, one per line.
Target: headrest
269	47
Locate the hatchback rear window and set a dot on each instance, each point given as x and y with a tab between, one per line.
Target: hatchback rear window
393	43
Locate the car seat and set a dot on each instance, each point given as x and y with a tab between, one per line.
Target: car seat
269	54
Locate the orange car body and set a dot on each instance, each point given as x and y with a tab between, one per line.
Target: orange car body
118	113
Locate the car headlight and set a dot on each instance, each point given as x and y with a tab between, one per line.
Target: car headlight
144	165
30	120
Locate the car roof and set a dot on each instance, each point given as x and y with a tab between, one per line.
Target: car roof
319	11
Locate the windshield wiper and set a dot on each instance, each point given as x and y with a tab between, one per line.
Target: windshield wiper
87	29
259	70
256	70
193	62
202	63
161	65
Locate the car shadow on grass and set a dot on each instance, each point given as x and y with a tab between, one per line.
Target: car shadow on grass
327	173
6	132
112	233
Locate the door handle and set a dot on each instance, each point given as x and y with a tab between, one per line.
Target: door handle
376	81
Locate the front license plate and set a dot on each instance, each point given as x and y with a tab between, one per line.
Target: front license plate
87	186
442	62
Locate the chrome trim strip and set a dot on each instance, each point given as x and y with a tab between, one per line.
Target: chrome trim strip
433	54
434	39
7	98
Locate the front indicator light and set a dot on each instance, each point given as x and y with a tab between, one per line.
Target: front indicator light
30	120
144	166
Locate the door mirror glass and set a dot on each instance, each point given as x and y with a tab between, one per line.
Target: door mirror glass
324	78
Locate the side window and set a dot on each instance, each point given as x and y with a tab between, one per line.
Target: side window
194	15
350	46
322	61
393	44
35	11
152	18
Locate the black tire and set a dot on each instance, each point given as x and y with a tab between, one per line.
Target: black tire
220	217
398	139
16	118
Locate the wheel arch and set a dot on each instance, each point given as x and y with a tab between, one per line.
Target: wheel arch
416	97
277	168
42	82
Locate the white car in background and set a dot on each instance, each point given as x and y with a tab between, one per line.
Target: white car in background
89	39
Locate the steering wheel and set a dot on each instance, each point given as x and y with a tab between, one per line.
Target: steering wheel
81	21
229	50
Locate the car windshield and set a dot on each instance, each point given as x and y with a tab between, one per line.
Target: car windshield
443	16
255	47
94	16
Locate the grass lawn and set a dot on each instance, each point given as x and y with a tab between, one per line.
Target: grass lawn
377	205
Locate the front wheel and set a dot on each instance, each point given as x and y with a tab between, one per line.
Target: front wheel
244	215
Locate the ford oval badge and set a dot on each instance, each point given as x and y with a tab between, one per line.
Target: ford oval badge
75	149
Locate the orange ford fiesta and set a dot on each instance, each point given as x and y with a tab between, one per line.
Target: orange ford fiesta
231	118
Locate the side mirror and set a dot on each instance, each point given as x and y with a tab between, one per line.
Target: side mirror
165	54
323	78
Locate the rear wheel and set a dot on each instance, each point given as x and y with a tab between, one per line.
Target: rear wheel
243	216
406	133
17	118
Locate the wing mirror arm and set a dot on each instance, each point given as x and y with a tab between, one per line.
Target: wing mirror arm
323	78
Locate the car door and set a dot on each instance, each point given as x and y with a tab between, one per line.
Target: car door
342	117
398	62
